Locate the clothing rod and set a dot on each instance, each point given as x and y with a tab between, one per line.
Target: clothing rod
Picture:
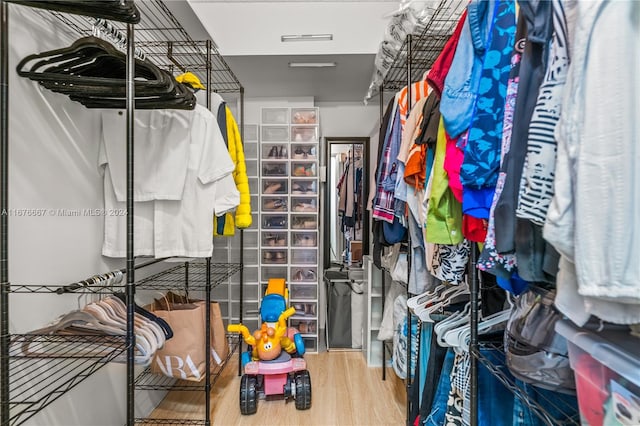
101	27
70	288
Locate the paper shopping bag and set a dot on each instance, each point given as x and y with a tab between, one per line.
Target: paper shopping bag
219	343
183	356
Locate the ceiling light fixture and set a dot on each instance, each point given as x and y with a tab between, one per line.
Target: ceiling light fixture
307	37
312	64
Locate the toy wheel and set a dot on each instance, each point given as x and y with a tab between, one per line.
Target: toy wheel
303	390
248	395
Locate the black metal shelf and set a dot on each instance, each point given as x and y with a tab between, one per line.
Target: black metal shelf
71	359
540	410
44	367
151	381
194	275
170	279
426	45
49	288
166	43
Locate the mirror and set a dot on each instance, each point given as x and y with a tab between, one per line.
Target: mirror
346	218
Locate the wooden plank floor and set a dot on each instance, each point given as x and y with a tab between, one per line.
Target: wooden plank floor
344	392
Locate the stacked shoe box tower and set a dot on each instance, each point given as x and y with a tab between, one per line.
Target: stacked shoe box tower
289	221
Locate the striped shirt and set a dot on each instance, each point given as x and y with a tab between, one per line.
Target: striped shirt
419	90
383	204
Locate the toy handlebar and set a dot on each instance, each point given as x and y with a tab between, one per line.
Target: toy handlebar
286	314
236	328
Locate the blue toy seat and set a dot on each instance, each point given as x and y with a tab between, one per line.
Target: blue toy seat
271	307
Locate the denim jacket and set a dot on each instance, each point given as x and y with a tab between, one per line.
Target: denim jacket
461	84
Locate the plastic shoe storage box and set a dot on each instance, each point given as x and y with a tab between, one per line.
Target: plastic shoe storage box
274	204
304	239
302	292
607	369
304	274
299	221
303	187
304	256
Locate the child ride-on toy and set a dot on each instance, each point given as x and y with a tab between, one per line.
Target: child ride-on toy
274	364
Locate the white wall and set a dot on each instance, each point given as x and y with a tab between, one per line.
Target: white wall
347	118
53	165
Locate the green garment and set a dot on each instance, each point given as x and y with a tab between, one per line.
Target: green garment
444	216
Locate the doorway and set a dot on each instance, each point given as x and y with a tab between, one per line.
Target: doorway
346	221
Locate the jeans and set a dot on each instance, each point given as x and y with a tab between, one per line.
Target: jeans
494	400
558	405
439	406
430	375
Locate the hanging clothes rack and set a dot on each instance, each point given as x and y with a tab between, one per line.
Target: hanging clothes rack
418	52
416	56
157	27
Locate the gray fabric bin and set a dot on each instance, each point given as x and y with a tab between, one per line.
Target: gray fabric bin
342	292
338	315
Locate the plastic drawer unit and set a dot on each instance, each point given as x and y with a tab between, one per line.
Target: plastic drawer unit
304	152
304	274
303	169
304	205
274	239
304	256
303	187
275	186
275	204
275	168
274	221
274	256
272	151
275	133
303	291
607	371
304	239
304	133
304	116
275	116
273	272
304	222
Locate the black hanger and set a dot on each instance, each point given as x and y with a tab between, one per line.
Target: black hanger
166	328
117	10
92	72
103	66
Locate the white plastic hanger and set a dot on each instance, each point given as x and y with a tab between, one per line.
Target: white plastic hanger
454	321
421	299
461	336
444	300
423	311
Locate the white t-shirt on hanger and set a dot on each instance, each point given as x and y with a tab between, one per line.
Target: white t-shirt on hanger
167	228
185	228
161	152
115	223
